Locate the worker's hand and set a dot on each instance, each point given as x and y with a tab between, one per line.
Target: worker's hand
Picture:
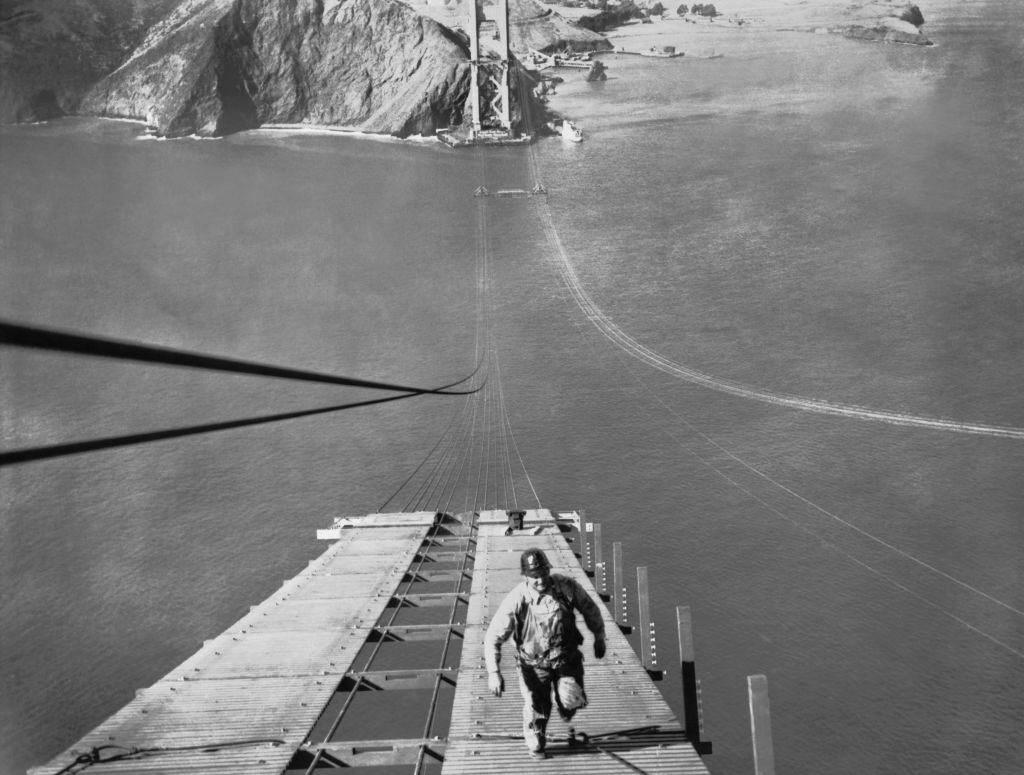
599	649
495	683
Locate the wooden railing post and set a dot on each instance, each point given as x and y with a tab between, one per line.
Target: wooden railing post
619	602
587	541
761	725
600	572
692	722
648	644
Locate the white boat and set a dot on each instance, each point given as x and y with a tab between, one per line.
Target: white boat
571	132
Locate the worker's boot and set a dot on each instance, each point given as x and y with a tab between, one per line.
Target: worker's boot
536	739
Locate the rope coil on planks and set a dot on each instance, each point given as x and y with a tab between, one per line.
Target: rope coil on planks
95	754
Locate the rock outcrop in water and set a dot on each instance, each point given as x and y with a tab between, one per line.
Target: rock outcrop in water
887	33
905	28
891	21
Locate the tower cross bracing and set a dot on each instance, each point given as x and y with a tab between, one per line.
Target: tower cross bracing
489	86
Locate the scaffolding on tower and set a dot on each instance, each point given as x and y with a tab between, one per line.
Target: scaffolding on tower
488	118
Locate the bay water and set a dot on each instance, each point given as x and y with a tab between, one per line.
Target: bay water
807	216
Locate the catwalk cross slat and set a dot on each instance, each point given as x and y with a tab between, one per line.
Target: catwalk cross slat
270	694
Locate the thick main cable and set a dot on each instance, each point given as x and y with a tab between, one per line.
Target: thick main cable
31	454
32	337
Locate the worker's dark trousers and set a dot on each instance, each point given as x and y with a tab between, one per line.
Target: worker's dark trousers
537	685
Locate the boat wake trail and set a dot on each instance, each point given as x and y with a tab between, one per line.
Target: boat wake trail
624	341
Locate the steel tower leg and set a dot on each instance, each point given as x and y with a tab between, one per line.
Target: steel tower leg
474	67
506	102
492	109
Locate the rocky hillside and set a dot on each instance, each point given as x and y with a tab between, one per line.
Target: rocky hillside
52	51
212	67
219	66
544	29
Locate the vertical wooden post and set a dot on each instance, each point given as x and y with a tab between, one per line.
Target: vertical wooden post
586	538
619	588
600	574
691	690
760	725
648	647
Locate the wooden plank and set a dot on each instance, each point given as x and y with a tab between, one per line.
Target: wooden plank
485	732
761	725
252	694
406	519
486	756
250	697
531	518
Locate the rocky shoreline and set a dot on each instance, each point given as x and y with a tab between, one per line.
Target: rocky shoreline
393	67
889	21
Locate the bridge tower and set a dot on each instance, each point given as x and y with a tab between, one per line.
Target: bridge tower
489	89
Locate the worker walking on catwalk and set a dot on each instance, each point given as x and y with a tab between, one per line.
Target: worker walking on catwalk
539	614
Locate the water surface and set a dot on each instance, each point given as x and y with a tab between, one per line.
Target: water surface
806	215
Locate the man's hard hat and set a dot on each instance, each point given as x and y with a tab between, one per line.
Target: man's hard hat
533	563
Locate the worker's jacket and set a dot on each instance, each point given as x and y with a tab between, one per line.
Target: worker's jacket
542	624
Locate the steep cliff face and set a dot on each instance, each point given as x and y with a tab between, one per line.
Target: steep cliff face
171	78
218	66
53	51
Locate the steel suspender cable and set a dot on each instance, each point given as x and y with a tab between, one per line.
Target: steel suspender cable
478	449
515	446
417	469
508	482
454	472
468	434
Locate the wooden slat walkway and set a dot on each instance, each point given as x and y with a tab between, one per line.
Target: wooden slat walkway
249	699
270	675
485	732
